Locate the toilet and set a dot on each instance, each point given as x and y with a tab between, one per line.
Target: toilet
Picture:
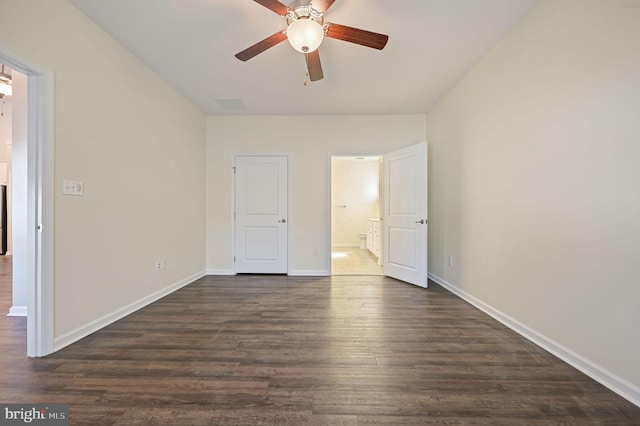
363	240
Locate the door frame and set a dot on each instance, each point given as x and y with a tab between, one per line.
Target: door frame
233	205
40	214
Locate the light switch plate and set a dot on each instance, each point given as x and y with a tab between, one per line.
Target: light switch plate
72	187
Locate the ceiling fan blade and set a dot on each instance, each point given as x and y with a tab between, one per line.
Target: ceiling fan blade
322	5
357	36
314	66
274	5
261	46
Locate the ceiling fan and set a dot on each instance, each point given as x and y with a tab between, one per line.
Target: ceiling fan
305	31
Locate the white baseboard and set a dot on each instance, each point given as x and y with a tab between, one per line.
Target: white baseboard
225	272
293	273
617	384
81	332
309	273
17	311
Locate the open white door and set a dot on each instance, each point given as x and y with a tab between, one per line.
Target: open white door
405	214
261	227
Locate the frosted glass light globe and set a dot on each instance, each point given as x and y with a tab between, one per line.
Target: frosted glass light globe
305	35
5	88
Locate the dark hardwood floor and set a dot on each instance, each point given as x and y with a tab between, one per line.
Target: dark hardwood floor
264	350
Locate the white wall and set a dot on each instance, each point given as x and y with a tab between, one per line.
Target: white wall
309	141
137	145
534	172
355	197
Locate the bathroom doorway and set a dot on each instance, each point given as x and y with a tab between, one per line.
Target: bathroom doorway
356	210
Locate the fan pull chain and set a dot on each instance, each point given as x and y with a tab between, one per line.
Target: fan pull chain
306	66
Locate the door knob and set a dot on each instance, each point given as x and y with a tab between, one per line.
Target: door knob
421	221
283	221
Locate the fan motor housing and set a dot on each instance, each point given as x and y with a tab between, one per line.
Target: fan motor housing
302	9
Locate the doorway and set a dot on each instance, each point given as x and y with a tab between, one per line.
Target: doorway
7	79
398	239
356	210
36	253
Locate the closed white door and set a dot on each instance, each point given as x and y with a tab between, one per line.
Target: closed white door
261	216
405	214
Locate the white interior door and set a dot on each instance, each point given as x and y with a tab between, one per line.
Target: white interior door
405	214
261	221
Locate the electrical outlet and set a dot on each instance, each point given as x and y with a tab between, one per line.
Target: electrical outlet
159	265
450	260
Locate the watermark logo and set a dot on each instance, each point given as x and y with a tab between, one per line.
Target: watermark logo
34	414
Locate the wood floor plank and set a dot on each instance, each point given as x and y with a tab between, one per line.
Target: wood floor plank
343	350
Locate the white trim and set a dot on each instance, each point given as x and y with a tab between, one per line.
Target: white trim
17	311
233	214
309	273
329	214
40	173
617	384
87	329
292	273
346	245
41	165
225	272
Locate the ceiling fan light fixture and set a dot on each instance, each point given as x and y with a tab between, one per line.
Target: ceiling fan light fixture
305	35
5	89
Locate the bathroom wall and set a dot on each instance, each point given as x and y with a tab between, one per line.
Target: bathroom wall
355	197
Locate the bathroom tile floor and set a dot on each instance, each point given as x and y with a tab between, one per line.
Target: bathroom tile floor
354	261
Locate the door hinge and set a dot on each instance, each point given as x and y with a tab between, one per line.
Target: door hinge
234	259
39	227
234	169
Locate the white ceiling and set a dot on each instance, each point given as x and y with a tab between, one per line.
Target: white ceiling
191	44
